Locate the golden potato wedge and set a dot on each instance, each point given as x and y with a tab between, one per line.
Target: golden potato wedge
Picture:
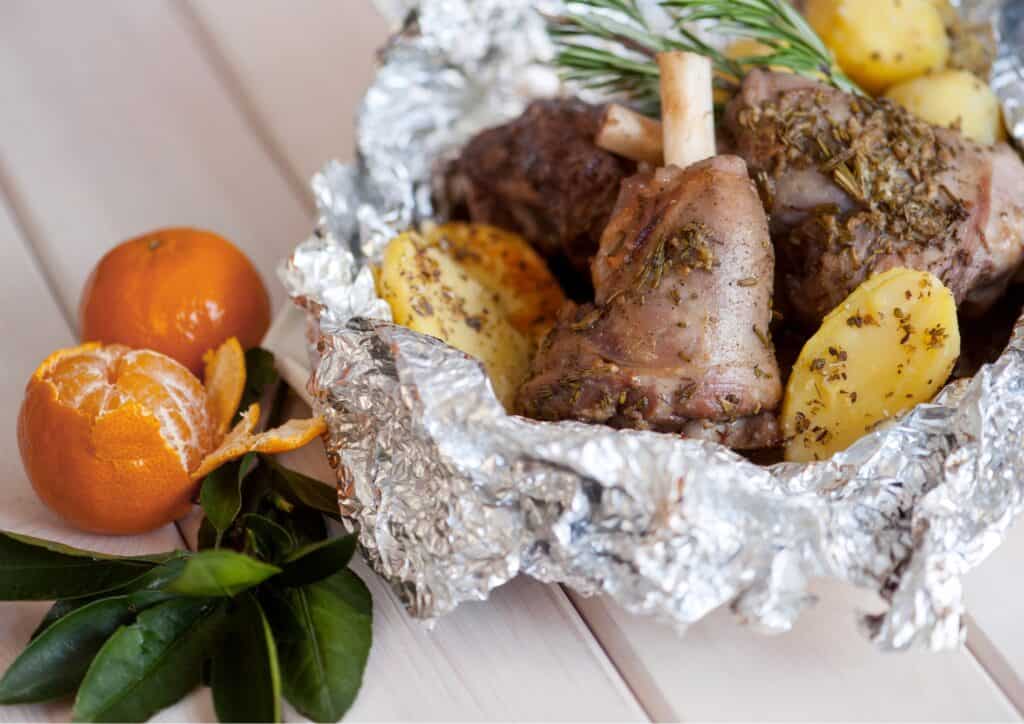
954	97
430	292
890	345
505	263
882	42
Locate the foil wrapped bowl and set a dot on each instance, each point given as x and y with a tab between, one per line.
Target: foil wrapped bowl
452	497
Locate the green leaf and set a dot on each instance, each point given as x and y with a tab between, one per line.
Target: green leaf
54	663
317	561
260	373
207	536
304	489
154	579
273	542
245	676
152	663
62	608
221	494
323	634
220	573
38	570
305	525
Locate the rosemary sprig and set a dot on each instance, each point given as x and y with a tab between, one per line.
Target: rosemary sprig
609	45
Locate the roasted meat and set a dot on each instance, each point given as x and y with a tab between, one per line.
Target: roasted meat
856	186
542	176
677	337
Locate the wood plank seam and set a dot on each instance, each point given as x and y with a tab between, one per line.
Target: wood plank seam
234	89
994	665
565	594
20	216
628	666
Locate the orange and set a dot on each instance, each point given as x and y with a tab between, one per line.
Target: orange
117	440
178	291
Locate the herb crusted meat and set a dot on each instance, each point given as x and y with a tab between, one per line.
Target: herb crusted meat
856	186
677	338
542	176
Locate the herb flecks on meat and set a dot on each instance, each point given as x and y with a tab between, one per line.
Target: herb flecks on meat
856	186
672	343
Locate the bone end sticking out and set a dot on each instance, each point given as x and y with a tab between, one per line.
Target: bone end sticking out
687	108
630	135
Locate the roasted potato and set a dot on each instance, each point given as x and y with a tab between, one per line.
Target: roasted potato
430	292
954	97
503	262
882	42
890	345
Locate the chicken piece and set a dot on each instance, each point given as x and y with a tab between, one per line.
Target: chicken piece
856	186
677	338
542	175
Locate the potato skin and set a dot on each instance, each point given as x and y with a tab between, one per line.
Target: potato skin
889	346
952	96
879	43
505	263
482	290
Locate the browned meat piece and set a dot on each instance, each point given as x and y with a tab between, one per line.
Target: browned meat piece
677	339
542	175
856	186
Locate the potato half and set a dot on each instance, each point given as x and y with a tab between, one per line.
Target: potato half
882	42
953	97
481	290
525	291
890	345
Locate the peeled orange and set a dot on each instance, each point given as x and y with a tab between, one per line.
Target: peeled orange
117	440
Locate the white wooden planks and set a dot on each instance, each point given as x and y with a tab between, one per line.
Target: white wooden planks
303	84
823	670
993	602
120	127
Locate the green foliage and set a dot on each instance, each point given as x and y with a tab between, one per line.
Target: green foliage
134	635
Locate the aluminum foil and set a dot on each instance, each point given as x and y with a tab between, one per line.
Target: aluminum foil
452	497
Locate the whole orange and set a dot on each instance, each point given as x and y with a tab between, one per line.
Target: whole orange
178	291
109	435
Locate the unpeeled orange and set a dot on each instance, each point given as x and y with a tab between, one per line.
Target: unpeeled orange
178	291
117	440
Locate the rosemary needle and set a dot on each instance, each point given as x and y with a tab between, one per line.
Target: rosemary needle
609	45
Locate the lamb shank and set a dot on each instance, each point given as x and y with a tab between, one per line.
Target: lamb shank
856	186
677	337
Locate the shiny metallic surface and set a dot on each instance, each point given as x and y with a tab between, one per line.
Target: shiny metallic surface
452	497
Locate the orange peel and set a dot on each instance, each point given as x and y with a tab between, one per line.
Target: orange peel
224	379
242	440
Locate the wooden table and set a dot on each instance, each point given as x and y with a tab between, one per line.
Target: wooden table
119	117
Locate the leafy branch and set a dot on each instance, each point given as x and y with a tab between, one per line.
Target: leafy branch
609	45
265	609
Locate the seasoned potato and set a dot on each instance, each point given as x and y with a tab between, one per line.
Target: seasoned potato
889	346
503	262
882	42
953	97
430	292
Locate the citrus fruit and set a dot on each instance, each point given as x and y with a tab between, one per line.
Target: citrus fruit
117	440
177	291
